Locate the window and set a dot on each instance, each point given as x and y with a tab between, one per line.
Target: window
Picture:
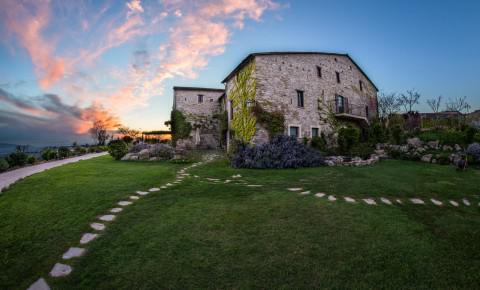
314	132
319	71
340	104
361	85
300	98
338	76
200	99
294	131
211	100
366	111
231	110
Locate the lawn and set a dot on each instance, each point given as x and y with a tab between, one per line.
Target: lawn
204	234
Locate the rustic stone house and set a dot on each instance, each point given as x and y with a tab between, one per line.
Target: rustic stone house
311	90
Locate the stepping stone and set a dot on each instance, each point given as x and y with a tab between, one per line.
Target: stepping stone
385	200
466	202
295	189
305	192
163	187
436	202
134	197
116	209
107	218
349	199
168	184
40	284
254	185
213	179
124	203
196	176
87	238
142	192
60	270
176	182
370	201
97	226
227	181
399	201
454	203
417	201
320	194
332	198
236	176
73	252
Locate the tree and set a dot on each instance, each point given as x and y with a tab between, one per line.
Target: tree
99	132
459	104
388	104
409	100
129	133
435	104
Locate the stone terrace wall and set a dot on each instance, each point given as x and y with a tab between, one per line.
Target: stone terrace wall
200	115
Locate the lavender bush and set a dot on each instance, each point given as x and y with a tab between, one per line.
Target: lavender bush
138	147
474	151
280	152
162	151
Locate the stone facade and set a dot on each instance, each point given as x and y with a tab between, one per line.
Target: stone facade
199	106
320	78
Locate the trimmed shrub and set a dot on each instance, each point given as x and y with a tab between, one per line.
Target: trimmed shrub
363	150
138	147
162	151
17	158
470	134
446	137
319	143
347	138
117	149
3	165
280	152
31	159
443	158
476	138
49	154
397	135
377	133
473	150
63	152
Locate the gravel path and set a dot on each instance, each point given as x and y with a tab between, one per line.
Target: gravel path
7	178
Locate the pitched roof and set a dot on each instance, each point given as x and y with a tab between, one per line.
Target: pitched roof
198	89
252	55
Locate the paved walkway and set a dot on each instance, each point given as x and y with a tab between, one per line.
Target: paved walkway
7	178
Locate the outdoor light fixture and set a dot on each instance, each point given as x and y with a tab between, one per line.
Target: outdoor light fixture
250	103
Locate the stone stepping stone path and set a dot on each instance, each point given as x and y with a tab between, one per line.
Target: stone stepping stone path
417	201
370	201
124	203
40	284
436	202
143	192
332	198
97	226
399	201
466	202
116	209
349	199
87	238
254	185
320	194
107	217
305	192
386	200
73	252
134	197
60	270
295	189
454	203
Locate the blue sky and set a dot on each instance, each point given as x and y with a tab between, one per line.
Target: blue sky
84	52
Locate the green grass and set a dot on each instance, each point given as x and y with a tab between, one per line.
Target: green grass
204	235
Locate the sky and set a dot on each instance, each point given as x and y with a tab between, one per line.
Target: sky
67	63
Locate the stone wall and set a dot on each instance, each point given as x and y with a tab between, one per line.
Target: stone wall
279	76
205	131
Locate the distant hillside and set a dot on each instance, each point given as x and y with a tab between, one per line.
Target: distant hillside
6	148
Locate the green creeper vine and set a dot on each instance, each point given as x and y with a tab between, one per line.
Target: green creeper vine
243	91
179	126
274	122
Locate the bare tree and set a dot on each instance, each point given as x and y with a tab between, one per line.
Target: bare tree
459	104
129	132
435	104
388	104
99	132
409	100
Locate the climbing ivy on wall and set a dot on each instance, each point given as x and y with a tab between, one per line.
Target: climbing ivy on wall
274	122
244	90
179	126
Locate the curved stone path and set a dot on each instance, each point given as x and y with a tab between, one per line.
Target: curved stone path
62	269
10	177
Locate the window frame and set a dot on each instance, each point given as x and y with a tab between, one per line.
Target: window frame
311	131
337	74
200	99
299	130
360	82
319	71
300	96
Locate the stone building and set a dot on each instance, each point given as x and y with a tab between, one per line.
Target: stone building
200	107
308	88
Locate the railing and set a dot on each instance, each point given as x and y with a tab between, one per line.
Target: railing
348	108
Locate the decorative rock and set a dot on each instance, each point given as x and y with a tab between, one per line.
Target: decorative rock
87	238
97	226
417	201
414	142
40	284
427	158
107	218
386	200
254	185
116	209
457	147
295	189
134	197
436	202
399	201
73	252
144	154
143	192
349	199
466	202
320	194
305	192
454	203
60	270
370	201
163	187
332	198
433	144
124	203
